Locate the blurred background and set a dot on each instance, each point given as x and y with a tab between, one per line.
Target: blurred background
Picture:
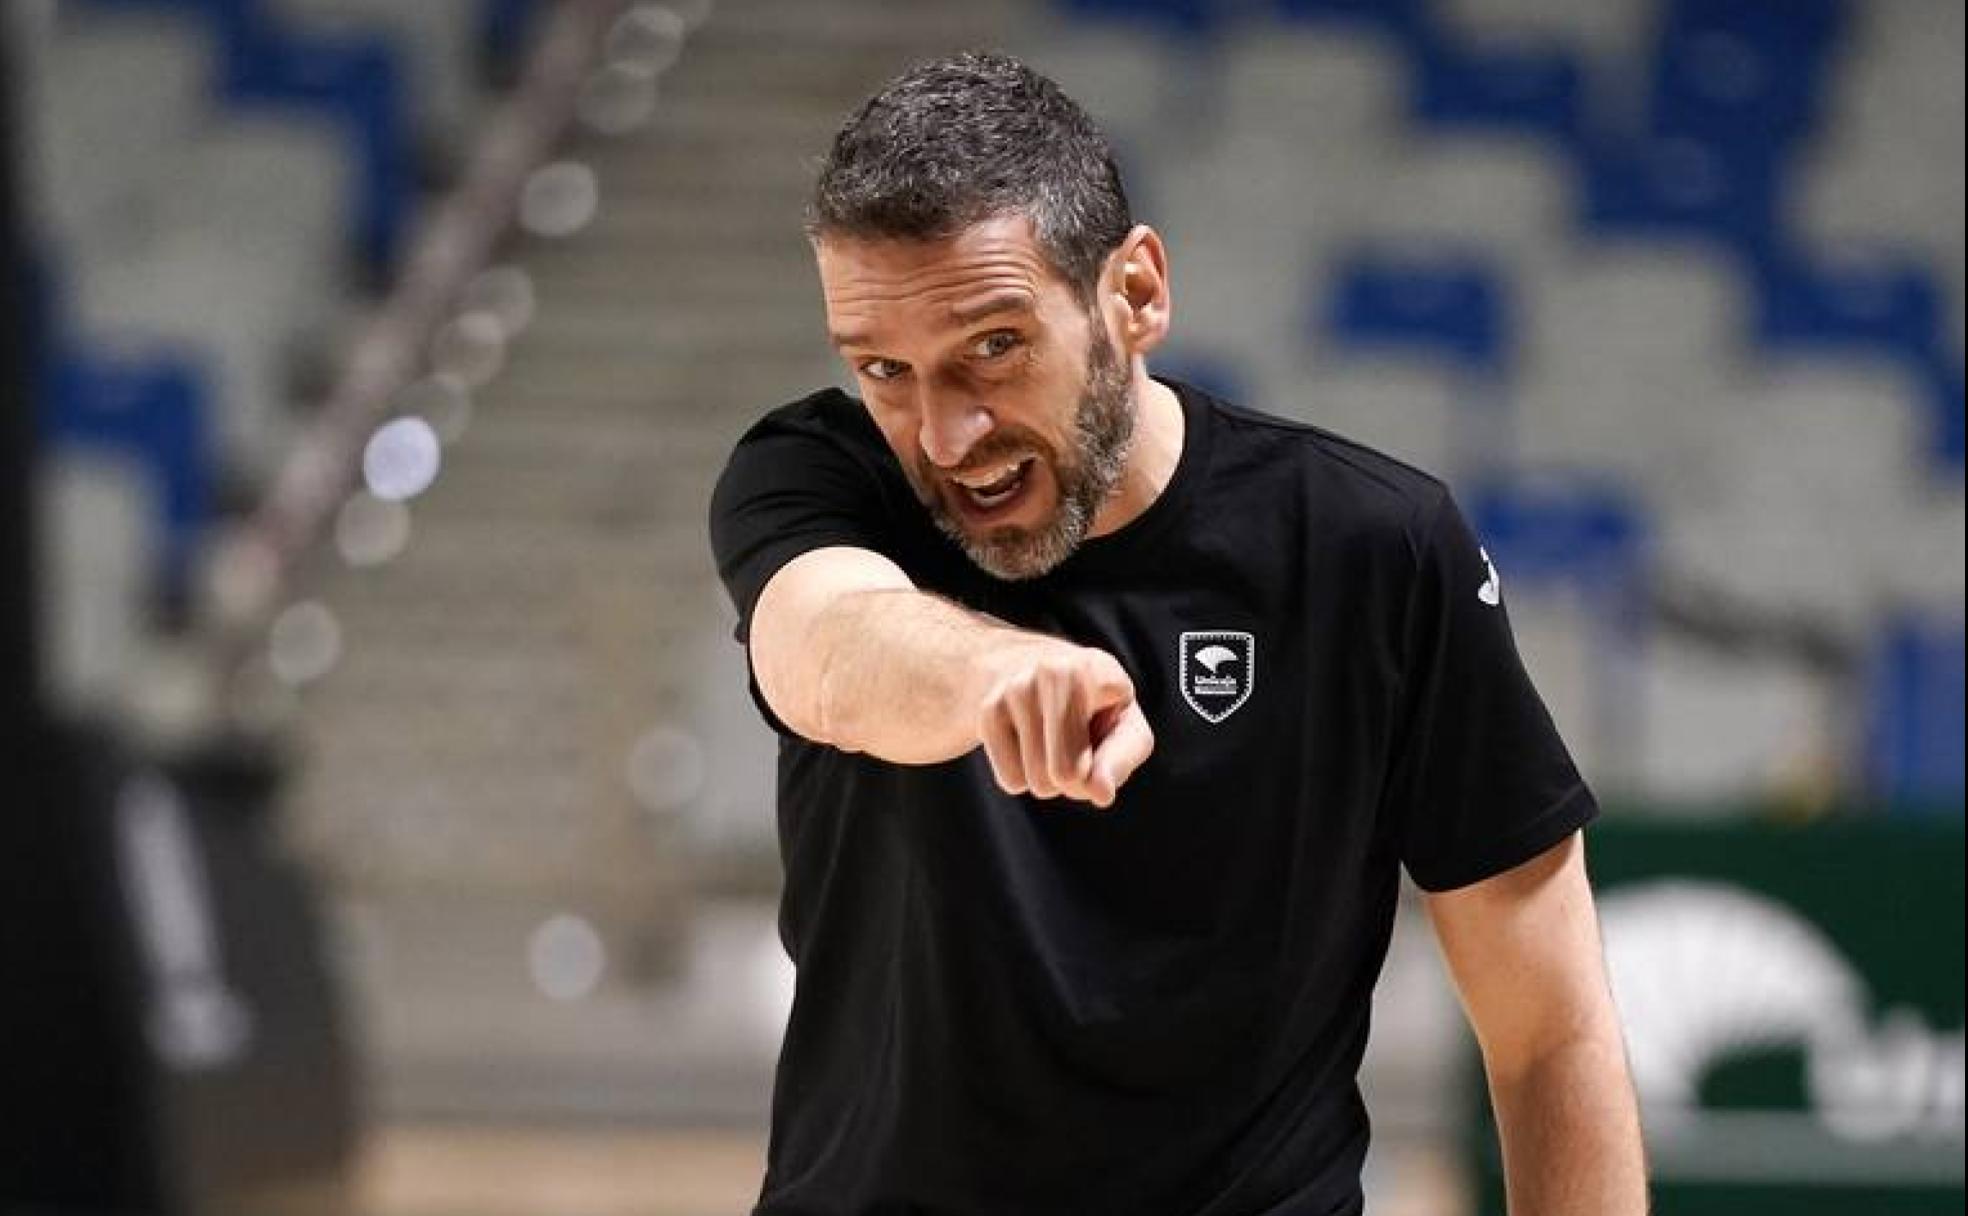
389	832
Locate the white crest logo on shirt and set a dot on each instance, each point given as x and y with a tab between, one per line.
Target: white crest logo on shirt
1491	592
1217	670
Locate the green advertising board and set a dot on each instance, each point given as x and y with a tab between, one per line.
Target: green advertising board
1793	1005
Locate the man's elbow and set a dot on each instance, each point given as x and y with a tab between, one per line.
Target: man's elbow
1595	1051
793	699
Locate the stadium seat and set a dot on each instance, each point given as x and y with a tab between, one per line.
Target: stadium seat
1941	380
1818	455
1914	560
1513	87
239	318
1915	721
1454	307
1509	197
1320	89
439	41
1291	193
275	190
1881	306
113	101
1624	355
1564	527
1806	29
355	80
1189	18
151	412
100	532
1732	89
1720	727
1405	20
1679	190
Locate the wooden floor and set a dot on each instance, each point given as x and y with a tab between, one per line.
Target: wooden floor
424	1171
506	1172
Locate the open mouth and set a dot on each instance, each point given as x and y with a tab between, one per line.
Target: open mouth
991	491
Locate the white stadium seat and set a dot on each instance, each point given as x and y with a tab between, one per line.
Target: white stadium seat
100	543
1503	196
113	103
1720	728
1817	461
1625	357
1316	88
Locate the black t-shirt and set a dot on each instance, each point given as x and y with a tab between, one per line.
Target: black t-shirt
1013	1007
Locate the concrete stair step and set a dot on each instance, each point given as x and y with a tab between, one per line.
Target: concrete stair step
469	779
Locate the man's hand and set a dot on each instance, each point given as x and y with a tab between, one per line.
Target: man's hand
1061	721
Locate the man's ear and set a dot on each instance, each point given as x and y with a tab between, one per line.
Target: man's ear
1138	290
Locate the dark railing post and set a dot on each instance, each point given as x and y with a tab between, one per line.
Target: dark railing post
20	686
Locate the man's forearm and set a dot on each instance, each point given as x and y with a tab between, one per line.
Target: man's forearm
1571	1134
899	674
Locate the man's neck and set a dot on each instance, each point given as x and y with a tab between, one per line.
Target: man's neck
1159	428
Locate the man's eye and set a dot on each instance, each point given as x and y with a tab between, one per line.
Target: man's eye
882	369
992	346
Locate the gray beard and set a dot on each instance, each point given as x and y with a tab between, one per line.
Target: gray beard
1103	435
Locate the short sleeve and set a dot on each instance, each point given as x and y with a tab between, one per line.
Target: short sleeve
1481	781
787	489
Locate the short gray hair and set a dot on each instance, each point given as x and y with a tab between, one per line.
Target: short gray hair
968	138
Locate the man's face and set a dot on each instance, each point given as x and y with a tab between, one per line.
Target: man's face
1003	396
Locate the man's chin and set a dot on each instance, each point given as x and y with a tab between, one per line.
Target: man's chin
1027	558
1014	553
1024	539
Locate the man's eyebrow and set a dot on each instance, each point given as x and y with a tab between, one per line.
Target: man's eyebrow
992	305
963	314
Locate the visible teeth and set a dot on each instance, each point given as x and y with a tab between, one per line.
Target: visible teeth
986	480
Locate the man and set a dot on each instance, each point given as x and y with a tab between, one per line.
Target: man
1109	714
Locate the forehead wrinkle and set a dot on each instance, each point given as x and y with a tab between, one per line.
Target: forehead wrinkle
933	295
937	282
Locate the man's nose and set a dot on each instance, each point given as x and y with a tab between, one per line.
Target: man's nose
951	425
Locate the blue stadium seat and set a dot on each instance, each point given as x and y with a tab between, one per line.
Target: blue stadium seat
1744	73
1879	306
154	408
357	81
1198	18
1679	190
1916	719
1512	88
1573	529
1406	20
1942	379
1455	308
1800	29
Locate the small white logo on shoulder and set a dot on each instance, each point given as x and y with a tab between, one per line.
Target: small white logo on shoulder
1217	669
1491	592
